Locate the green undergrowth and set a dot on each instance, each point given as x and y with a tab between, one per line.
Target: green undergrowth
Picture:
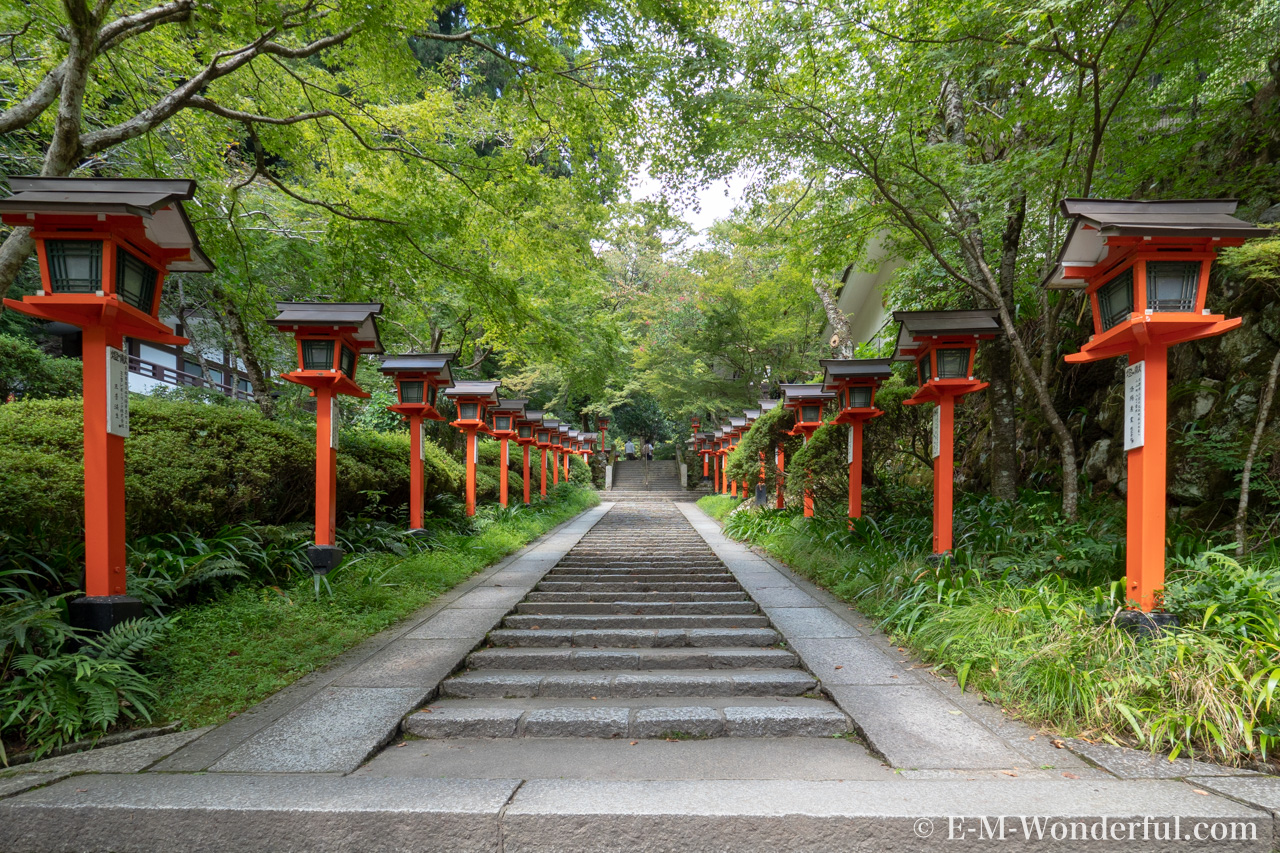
226	654
718	506
1025	615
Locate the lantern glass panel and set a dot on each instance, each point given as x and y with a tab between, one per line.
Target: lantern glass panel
859	398
317	355
922	370
135	281
502	422
1171	285
411	392
953	363
349	362
526	431
543	436
467	411
1115	300
75	266
809	414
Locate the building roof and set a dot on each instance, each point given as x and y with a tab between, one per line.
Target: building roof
854	368
420	362
474	388
158	202
1093	220
805	391
317	315
936	324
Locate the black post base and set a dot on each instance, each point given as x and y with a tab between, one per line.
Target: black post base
938	559
324	558
100	613
419	532
1145	625
762	495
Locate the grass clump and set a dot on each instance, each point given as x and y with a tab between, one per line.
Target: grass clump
719	506
1026	615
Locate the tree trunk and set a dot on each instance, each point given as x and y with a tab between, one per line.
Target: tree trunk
1001	397
1264	414
244	348
843	338
64	146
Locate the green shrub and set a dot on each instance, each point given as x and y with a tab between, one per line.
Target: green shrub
29	374
195	467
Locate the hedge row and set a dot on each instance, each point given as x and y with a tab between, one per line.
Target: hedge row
195	466
198	467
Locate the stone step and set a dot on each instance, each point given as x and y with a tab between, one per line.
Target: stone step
639	567
631	595
513	684
631	659
576	623
636	638
462	719
638	608
632	587
641	579
673	560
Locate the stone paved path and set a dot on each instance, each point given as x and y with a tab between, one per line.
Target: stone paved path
633	681
640	631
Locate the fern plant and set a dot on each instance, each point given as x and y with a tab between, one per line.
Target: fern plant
53	699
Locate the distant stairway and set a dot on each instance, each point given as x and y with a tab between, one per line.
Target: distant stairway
639	480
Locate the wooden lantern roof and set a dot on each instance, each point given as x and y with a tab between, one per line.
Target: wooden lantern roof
1095	220
918	327
436	364
358	317
844	371
768	405
484	390
514	406
795	393
533	416
158	203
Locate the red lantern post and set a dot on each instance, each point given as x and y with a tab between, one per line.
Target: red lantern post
602	424
104	247
544	438
419	379
807	400
855	382
329	336
1145	267
943	345
504	425
568	438
527	438
473	399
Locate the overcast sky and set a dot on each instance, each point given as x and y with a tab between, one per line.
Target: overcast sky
710	203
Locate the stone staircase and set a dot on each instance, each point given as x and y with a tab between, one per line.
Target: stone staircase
659	480
623	639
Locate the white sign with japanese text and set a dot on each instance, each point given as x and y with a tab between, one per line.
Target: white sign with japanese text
937	431
334	413
117	392
1135	376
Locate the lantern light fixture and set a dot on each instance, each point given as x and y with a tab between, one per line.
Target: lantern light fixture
104	247
1144	266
